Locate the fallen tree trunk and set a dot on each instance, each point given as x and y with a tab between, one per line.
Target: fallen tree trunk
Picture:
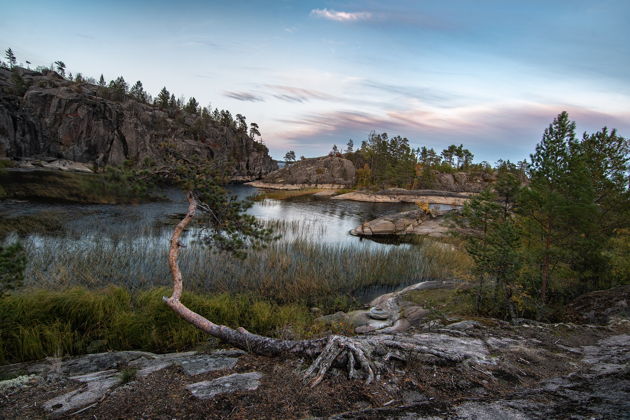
363	356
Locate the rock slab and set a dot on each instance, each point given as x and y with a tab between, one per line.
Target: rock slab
226	384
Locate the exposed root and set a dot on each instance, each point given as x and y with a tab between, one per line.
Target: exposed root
367	356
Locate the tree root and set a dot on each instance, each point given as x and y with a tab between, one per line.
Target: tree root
368	356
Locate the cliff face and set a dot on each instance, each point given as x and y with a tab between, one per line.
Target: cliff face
44	115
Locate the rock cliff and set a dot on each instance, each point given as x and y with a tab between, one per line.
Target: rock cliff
328	172
459	181
43	115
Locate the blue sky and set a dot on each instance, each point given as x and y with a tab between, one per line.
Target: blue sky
489	74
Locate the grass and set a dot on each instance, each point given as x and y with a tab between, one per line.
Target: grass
103	292
71	187
37	323
332	277
45	222
443	303
285	194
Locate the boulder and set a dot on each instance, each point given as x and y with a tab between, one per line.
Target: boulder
403	223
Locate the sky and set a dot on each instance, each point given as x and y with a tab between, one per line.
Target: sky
490	75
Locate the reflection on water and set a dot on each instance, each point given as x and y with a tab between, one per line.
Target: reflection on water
323	221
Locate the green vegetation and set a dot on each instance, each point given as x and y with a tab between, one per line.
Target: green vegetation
332	277
45	222
285	194
443	303
12	266
38	323
536	247
111	187
384	161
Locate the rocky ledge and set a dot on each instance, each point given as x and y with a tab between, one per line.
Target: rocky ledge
400	195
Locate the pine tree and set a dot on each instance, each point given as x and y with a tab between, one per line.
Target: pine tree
545	204
172	102
10	57
118	89
242	123
61	68
137	91
163	98
254	130
101	81
192	107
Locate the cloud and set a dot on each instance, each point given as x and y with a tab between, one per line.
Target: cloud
424	94
244	96
341	16
299	95
493	131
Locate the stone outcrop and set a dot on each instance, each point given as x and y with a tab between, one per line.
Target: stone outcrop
399	195
461	181
43	115
328	172
413	222
388	313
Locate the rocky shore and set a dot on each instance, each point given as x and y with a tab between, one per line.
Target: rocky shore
399	195
525	370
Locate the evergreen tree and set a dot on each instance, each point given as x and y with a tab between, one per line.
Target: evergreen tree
241	123
172	102
546	203
163	98
10	57
350	146
118	89
61	68
101	81
448	154
137	91
289	156
254	130
192	107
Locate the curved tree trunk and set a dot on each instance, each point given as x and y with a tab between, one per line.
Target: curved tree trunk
363	356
